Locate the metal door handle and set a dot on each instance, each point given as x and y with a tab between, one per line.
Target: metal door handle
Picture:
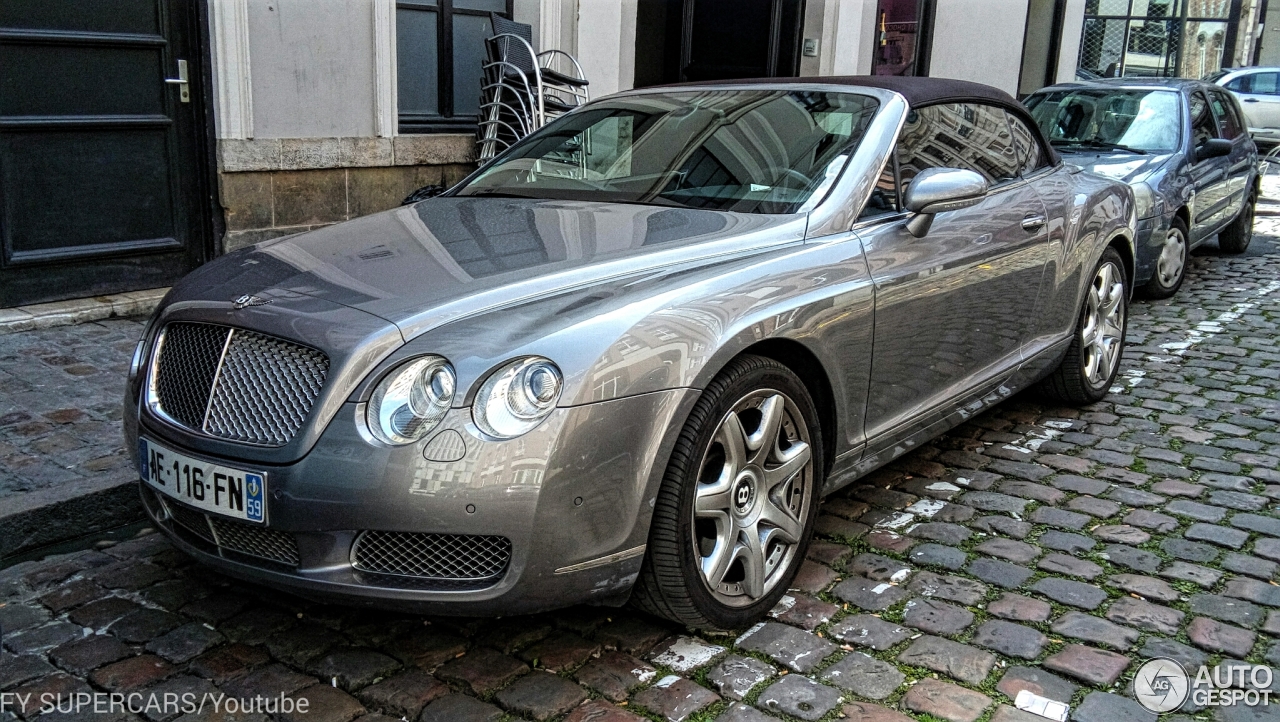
1033	223
1250	100
184	86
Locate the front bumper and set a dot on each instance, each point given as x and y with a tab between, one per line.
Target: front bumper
573	497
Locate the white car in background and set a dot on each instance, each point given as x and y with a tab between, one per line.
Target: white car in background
1258	90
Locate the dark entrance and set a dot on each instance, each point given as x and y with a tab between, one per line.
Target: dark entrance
690	40
102	185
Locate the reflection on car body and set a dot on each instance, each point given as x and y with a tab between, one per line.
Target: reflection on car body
627	358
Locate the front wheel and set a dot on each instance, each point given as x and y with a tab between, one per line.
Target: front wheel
1093	358
1171	266
735	511
1235	238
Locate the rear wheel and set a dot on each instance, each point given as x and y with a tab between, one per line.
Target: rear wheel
1171	266
1235	238
1093	359
736	507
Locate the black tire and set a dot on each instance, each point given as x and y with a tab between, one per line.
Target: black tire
1235	238
1070	382
671	584
1158	287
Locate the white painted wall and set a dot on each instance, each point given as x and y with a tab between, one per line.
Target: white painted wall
313	68
979	40
1072	31
606	44
848	31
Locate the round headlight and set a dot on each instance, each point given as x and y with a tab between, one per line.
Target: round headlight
411	400
517	397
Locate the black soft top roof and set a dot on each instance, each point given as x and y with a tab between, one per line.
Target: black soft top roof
918	91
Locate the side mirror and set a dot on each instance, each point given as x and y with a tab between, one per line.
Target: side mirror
941	189
1213	148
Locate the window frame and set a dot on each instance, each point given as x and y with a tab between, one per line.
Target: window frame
1046	160
444	121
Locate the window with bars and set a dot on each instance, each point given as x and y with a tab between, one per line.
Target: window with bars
1157	38
439	53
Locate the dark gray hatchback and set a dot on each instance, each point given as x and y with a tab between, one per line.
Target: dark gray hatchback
1183	147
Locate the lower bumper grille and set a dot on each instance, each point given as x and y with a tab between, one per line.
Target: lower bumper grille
234	536
443	557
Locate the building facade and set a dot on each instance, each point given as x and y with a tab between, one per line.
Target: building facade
141	138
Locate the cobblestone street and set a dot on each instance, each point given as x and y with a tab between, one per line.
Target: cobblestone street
1037	548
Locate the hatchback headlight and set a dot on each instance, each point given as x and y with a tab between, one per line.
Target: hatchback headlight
411	400
517	397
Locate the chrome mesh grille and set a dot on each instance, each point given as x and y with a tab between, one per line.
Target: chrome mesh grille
236	384
432	556
230	535
265	389
255	541
186	368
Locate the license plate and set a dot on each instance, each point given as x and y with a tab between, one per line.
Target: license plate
209	487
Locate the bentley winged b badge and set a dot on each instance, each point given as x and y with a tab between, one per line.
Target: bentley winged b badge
249	300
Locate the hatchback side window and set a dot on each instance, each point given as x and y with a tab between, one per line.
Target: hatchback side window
1203	125
958	135
1256	83
1030	155
1229	125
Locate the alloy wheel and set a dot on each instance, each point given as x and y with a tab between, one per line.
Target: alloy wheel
755	486
1102	334
1172	258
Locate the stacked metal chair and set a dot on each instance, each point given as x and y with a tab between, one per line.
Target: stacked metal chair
523	90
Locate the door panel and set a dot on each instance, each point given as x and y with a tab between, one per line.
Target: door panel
1210	177
952	308
100	163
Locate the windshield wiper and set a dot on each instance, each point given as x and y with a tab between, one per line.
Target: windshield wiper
1095	143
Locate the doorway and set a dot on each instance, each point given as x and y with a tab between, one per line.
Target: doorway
103	147
1040	45
902	37
689	40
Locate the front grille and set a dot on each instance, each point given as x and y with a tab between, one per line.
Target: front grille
255	541
432	556
229	535
235	384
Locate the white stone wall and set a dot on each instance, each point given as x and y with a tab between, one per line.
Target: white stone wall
979	40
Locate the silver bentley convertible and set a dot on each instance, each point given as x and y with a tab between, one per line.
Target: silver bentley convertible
626	359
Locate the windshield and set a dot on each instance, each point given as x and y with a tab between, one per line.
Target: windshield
751	151
1140	120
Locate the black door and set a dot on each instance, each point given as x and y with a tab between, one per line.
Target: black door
100	158
724	39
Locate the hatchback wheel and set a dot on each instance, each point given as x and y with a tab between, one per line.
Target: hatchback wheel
1171	265
1235	238
1093	358
736	508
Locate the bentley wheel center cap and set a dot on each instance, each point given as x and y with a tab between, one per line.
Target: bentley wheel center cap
744	494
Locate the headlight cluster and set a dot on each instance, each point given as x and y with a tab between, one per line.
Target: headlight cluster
517	397
412	399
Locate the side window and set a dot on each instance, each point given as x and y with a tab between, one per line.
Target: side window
1242	84
1229	125
1203	125
1031	156
884	197
958	135
1264	83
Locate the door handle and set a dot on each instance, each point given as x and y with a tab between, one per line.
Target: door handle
1250	100
184	85
1033	223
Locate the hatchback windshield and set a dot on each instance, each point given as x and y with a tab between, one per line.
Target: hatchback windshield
1124	119
753	151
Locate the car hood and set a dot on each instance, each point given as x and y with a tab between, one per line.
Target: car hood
1119	165
424	265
